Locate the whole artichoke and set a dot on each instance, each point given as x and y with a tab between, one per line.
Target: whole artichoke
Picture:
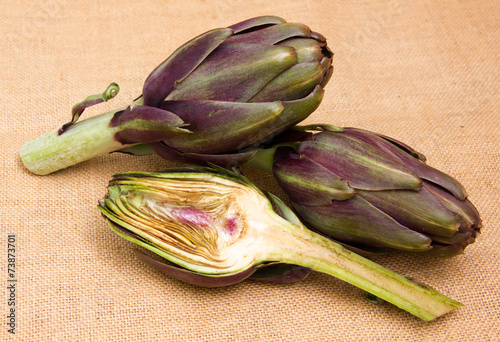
219	93
368	190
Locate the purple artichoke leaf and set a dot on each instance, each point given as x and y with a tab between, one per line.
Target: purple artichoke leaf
180	64
234	72
357	222
227	160
306	181
446	251
470	216
282	127
294	83
308	50
272	35
419	210
326	64
319	128
318	36
412	159
465	238
137	150
435	176
280	273
193	278
294	112
408	149
382	141
220	126
362	165
144	124
256	23
373	140
326	78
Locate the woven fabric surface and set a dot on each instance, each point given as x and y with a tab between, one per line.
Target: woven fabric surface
426	73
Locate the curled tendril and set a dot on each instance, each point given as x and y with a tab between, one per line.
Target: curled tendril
111	91
77	110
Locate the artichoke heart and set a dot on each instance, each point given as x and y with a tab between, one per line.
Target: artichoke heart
197	220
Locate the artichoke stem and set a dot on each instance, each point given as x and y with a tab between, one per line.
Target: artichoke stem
264	157
80	142
321	254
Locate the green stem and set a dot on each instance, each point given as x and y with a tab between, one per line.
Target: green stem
323	255
264	157
82	141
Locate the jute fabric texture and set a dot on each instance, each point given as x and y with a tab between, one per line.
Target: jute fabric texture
426	73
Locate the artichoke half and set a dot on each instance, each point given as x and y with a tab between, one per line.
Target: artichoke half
371	191
213	98
215	228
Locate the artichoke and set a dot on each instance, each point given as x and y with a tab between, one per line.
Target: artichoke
218	94
215	228
371	191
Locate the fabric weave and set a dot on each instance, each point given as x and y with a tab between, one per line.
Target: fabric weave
425	73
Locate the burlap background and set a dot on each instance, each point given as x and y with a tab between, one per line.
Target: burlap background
423	72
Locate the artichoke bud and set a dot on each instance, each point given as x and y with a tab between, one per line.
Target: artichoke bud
214	228
233	88
370	190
